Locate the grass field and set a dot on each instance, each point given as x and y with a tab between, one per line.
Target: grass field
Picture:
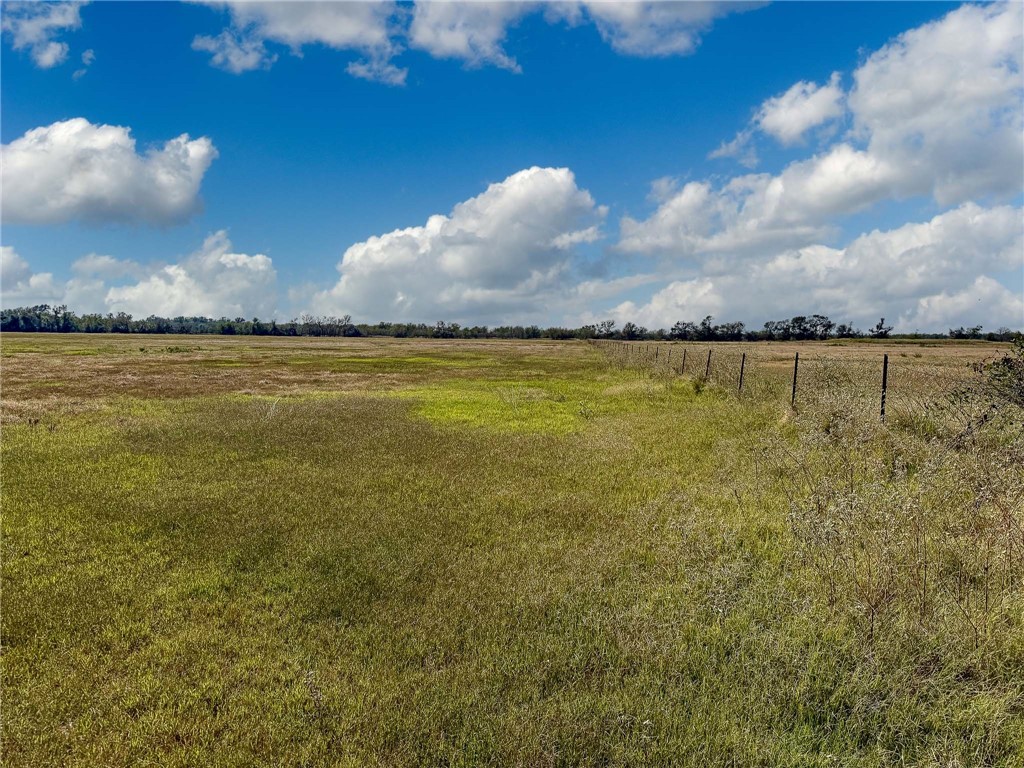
306	552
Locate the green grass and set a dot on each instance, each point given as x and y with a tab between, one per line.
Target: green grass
517	559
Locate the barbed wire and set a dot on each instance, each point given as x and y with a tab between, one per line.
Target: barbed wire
809	377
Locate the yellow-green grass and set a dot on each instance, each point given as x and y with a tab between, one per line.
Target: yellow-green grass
461	554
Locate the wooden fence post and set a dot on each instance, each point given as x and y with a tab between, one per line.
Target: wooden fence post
743	364
707	368
682	365
796	365
885	381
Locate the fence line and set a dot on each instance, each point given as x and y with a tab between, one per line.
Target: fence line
903	390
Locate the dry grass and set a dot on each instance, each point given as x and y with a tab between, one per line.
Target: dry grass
378	552
44	374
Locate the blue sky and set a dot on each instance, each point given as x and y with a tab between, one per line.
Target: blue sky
324	138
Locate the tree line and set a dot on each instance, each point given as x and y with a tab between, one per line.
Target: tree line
44	318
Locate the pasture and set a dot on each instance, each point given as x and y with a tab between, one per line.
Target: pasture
377	552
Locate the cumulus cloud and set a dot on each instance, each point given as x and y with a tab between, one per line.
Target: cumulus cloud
214	281
496	255
805	105
75	170
787	118
943	103
471	32
106	267
234	52
654	28
936	113
364	27
20	286
34	26
983	301
679	300
756	211
929	275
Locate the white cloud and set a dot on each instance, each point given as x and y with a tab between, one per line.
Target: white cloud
235	52
656	28
377	70
213	281
787	118
88	57
926	274
343	26
13	268
20	286
364	27
943	103
679	300
739	148
984	301
106	267
77	170
758	211
936	113
496	255
805	105
567	240
32	26
891	270
472	32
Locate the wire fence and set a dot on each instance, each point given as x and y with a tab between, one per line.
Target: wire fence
889	385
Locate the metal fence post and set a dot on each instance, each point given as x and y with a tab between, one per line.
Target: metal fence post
743	364
707	368
885	381
796	365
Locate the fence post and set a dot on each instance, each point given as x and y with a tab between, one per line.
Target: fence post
885	381
743	364
707	368
657	350
796	365
682	365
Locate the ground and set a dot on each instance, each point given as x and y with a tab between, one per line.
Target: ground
274	551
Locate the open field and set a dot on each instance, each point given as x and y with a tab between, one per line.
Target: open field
280	551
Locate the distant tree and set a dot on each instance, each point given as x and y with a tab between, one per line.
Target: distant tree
632	331
683	331
821	326
965	333
443	330
881	330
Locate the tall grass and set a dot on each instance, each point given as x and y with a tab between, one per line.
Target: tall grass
530	556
